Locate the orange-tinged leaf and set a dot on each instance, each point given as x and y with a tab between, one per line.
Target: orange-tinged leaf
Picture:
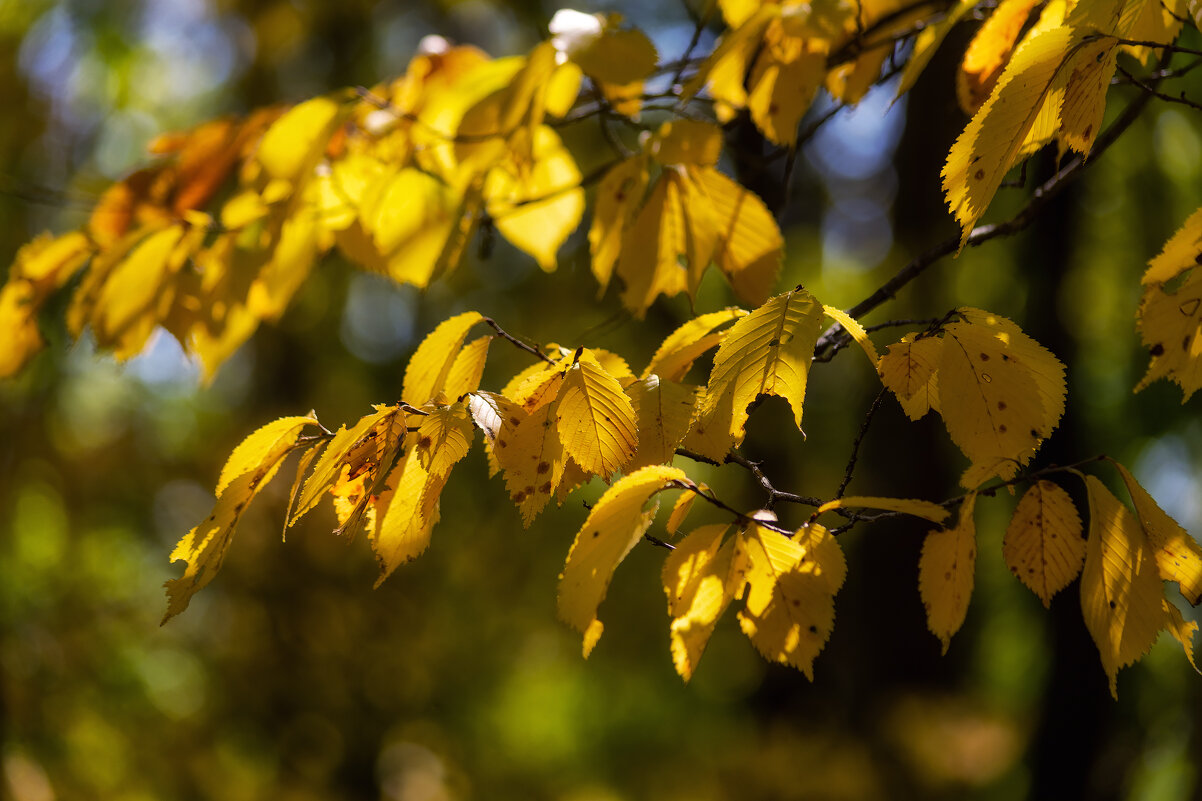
1121	594
683	346
431	364
989	51
749	247
945	574
789	611
768	352
596	421
663	410
1043	545
990	402
444	437
695	581
614	525
246	472
1178	555
909	369
619	198
986	149
533	459
328	468
924	509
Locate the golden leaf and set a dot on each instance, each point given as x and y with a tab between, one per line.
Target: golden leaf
1169	321
909	369
467	369
687	343
406	514
329	467
989	51
432	362
924	509
663	410
945	574
1043	545
1178	555
596	421
695	581
614	525
619	197
1121	594
852	326
444	437
533	459
749	246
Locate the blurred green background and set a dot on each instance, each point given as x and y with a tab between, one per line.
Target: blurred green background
290	678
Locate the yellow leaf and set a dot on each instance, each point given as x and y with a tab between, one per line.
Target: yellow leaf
1178	555
468	368
928	41
857	332
1089	72
127	302
1169	321
663	410
665	247
1182	631
411	217
445	437
431	364
333	459
683	346
250	453
989	51
821	546
294	143
1154	22
945	574
680	509
533	459
20	338
990	402
782	88
40	267
619	198
291	260
686	142
986	149
603	50
924	509
768	352
1040	363
595	418
614	525
1121	594
695	581
710	431
909	369
1043	545
537	207
749	245
251	466
725	68
789	611
407	513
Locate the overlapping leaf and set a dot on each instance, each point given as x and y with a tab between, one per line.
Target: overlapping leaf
695	577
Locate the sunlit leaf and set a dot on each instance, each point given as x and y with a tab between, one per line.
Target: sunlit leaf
431	364
695	581
596	421
1178	555
924	509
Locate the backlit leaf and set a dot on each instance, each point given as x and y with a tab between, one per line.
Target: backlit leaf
924	509
683	346
254	450
619	198
533	460
1043	545
1169	321
596	421
663	410
445	437
467	369
768	352
408	510
945	574
333	459
989	51
852	326
295	142
749	245
1121	594
1178	555
909	369
614	525
695	581
430	365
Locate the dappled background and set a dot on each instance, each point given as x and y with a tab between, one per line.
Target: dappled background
291	678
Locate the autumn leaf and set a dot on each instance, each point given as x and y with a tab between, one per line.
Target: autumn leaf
988	53
1169	321
924	509
663	411
945	574
1178	555
431	364
695	577
533	460
595	418
1043	545
614	525
251	466
674	358
1122	598
909	369
444	437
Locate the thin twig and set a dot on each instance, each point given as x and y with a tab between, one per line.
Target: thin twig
531	349
855	446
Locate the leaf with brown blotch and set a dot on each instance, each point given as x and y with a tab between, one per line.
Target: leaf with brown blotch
614	525
1043	545
1122	598
945	573
1178	555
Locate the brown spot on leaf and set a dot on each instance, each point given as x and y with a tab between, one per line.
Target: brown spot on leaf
501	443
424	443
979	175
1190	306
1157	349
513	421
519	497
542	468
1112	604
813	629
984	357
1002	428
1088	130
545	489
1001	406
